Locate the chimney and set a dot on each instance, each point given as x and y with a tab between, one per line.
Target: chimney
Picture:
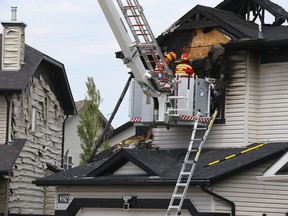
13	43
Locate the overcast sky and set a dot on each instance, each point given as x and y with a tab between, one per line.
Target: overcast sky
76	33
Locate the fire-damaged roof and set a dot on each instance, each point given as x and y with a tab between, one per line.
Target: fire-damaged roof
163	166
246	6
230	23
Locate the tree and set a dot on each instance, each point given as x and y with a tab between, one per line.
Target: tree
90	120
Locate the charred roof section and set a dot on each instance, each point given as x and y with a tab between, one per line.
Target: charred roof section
252	9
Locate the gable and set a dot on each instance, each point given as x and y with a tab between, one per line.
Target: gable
130	169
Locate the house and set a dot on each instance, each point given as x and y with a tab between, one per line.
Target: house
242	169
72	142
35	97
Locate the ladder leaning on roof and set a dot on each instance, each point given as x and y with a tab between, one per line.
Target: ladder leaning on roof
188	167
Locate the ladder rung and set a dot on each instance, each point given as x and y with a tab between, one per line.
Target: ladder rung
137	25
173	207
196	139
192	150
177	195
128	6
189	162
181	185
185	173
204	128
145	45
134	15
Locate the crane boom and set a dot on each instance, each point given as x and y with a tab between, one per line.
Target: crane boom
133	50
174	98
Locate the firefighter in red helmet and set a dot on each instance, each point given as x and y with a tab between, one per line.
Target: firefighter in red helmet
184	68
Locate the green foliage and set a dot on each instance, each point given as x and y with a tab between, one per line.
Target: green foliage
90	120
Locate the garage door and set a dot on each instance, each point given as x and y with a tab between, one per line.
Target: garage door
121	212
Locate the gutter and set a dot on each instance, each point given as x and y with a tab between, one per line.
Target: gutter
255	44
7	120
229	202
63	139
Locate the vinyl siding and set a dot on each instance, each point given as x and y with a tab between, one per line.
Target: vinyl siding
273	109
49	199
3	119
42	146
72	140
231	134
252	111
252	196
122	136
3	196
202	201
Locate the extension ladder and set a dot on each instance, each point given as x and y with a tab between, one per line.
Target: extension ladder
145	40
188	168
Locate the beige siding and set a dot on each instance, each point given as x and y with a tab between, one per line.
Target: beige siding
202	201
273	109
3	119
42	146
252	110
122	136
49	198
231	134
3	196
252	196
72	140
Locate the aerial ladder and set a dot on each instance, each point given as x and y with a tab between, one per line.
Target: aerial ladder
142	56
145	46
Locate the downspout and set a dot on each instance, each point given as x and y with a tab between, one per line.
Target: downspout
232	204
7	119
63	139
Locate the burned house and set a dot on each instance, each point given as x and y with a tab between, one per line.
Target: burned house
243	167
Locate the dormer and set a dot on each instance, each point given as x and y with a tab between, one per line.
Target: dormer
13	43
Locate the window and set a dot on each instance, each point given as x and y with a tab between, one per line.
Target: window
33	119
68	162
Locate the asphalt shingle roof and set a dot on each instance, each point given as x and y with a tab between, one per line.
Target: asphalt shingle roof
16	81
163	166
8	155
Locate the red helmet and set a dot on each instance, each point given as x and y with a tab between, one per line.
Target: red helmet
171	56
185	57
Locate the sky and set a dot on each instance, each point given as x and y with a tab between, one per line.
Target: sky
76	33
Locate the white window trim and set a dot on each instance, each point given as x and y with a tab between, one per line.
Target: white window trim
33	119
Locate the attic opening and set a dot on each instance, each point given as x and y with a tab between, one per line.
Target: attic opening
205	46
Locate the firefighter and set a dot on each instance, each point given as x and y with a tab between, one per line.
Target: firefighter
169	57
184	68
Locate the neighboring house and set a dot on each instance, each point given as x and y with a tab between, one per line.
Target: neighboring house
35	96
243	168
72	142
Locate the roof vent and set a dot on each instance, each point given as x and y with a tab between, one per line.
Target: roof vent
14	13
